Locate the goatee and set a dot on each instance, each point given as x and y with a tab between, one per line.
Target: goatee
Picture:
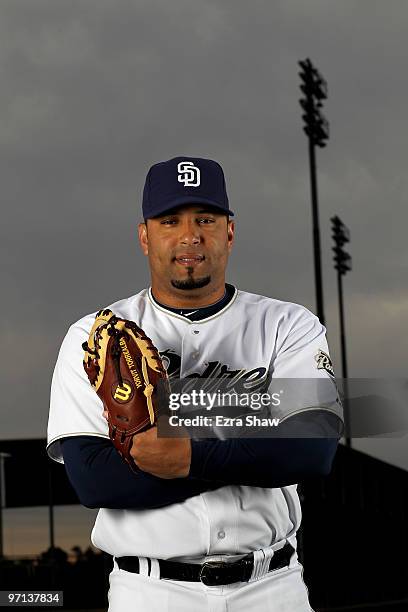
191	283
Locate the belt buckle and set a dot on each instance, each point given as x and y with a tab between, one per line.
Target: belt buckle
206	576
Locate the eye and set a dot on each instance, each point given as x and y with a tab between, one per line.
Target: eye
167	222
205	220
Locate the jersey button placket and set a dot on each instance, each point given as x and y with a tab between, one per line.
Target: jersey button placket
195	354
190	352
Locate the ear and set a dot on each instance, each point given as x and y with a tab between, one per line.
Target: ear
143	240
230	234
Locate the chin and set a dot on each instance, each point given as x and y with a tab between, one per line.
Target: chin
189	284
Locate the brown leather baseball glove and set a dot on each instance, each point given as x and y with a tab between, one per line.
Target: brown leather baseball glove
127	373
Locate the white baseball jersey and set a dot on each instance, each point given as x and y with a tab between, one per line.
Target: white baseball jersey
251	337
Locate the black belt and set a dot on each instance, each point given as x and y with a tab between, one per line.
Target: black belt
211	573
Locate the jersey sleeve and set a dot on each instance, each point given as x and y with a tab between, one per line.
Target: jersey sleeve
302	372
75	408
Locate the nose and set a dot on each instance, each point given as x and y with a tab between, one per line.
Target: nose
190	232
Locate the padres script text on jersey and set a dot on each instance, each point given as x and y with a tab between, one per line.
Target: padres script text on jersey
251	338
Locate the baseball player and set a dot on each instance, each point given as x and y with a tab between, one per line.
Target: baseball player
200	524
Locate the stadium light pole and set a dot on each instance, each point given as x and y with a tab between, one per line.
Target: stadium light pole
342	263
316	128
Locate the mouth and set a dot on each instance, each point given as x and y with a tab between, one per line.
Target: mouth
189	260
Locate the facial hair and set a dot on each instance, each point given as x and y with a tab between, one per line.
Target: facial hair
191	283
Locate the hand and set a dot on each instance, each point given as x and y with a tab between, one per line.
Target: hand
162	457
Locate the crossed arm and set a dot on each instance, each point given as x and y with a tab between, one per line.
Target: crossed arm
173	470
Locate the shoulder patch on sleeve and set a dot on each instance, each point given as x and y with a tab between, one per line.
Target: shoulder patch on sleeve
324	362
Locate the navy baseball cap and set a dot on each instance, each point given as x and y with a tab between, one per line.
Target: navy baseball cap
184	180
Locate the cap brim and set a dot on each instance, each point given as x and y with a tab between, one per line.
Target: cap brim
185	201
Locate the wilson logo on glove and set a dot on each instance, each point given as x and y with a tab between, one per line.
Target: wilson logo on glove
122	393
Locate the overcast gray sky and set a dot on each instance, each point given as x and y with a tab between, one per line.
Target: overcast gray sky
94	92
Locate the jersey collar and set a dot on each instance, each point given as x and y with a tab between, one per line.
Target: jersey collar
197	315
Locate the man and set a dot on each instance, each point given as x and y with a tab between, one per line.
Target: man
193	502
